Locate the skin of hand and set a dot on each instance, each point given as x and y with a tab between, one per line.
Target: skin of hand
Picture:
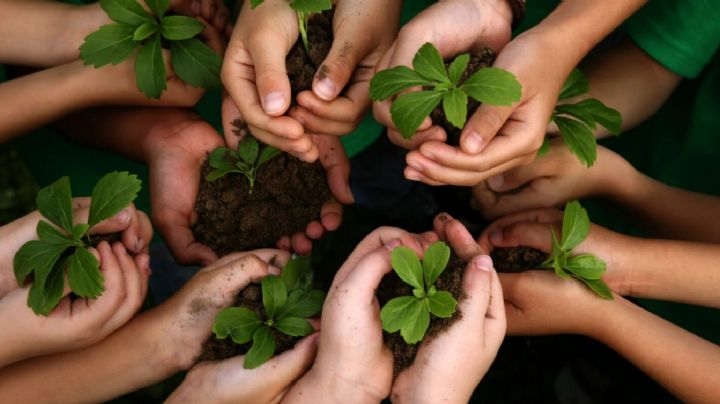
353	362
552	179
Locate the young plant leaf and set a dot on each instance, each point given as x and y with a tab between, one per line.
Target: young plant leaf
604	115
255	3
599	287
294	326
267	154
195	63
544	148
578	112
557	265
158	7
395	312
434	262
455	107
429	64
274	294
111	44
150	68
416	322
442	304
387	83
576	84
79	230
586	266
238	322
407	266
39	256
223	158
114	192
127	12
248	150
144	31
457	68
84	274
410	110
310	6
262	349
302	303
493	86
179	27
55	203
215	174
579	139
576	226
44	296
290	274
50	234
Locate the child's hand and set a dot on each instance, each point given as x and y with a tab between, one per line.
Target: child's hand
76	323
551	180
213	12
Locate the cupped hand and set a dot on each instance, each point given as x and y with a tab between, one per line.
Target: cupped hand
213	11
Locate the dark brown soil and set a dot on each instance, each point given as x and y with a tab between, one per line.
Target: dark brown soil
301	66
517	259
484	58
392	286
214	349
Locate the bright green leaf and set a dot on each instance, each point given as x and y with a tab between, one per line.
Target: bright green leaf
294	326
493	86
158	7
303	304
255	3
586	266
579	139
39	256
292	270
55	203
576	226
223	158
111	44
262	349
150	68
457	68
387	83
429	64
45	296
407	266
395	312
267	154
248	150
274	294
577	112
79	230
558	267
576	84
49	233
128	12
416	322
215	174
544	148
179	27
409	110
238	322
455	107
442	304
195	63
84	274
419	293
599	287
310	6
434	262
144	31
114	192
604	115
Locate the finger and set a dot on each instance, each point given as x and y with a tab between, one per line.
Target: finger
362	281
536	216
351	107
301	244
118	223
208	9
142	261
284	243
213	36
448	174
534	235
115	287
182	243
526	199
268	50
133	290
461	241
426	239
414	175
517	177
274	257
315	124
138	234
337	165
301	147
477	287
482	127
495	320
315	230
339	65
287	367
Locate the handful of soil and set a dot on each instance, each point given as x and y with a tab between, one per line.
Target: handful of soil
517	259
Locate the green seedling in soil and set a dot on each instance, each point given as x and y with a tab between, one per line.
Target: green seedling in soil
304	10
288	301
577	122
411	314
134	27
585	267
63	248
246	160
488	85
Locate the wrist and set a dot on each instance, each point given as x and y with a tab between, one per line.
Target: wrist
619	180
84	21
334	387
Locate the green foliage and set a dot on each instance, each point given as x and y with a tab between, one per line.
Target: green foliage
61	250
133	27
488	85
577	122
585	267
411	314
304	9
246	160
288	301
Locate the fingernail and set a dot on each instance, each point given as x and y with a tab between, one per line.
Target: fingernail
392	244
474	142
496	182
427	153
195	7
274	103
412	174
123	216
496	236
325	89
483	263
139	244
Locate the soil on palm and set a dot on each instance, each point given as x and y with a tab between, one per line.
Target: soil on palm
392	286
517	259
484	58
214	349
301	65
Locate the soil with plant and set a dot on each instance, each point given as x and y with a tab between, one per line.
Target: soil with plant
301	65
517	259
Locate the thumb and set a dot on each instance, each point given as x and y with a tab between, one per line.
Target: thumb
534	235
482	127
339	65
289	366
268	50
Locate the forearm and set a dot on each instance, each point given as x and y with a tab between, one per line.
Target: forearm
670	355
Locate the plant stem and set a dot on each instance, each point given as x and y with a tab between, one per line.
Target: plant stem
302	25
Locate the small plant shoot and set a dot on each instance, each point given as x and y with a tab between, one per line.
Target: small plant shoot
577	122
288	300
304	9
62	245
133	27
246	160
411	314
585	267
488	85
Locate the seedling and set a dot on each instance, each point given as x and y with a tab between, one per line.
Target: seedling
411	314
488	85
246	160
133	27
288	300
585	267
61	249
576	122
304	10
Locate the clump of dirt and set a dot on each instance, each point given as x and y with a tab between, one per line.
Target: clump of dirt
214	349
301	65
517	259
484	58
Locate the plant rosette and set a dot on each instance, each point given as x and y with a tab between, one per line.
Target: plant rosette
268	319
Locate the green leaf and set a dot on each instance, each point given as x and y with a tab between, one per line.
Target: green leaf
291	271
49	233
455	106
579	138
238	322
442	304
128	12
150	68
114	192
586	266
39	256
416	322
303	304
158	7
429	64
55	203
248	150
396	312
599	287
84	274
493	86
223	158
215	174
557	265
262	349
604	115
457	68
144	31
556	247
274	294
434	262
267	154
407	266
179	27
311	6
111	44
294	326
544	148
79	230
576	84
195	63
409	110
255	3
576	226
387	83
45	296
578	112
